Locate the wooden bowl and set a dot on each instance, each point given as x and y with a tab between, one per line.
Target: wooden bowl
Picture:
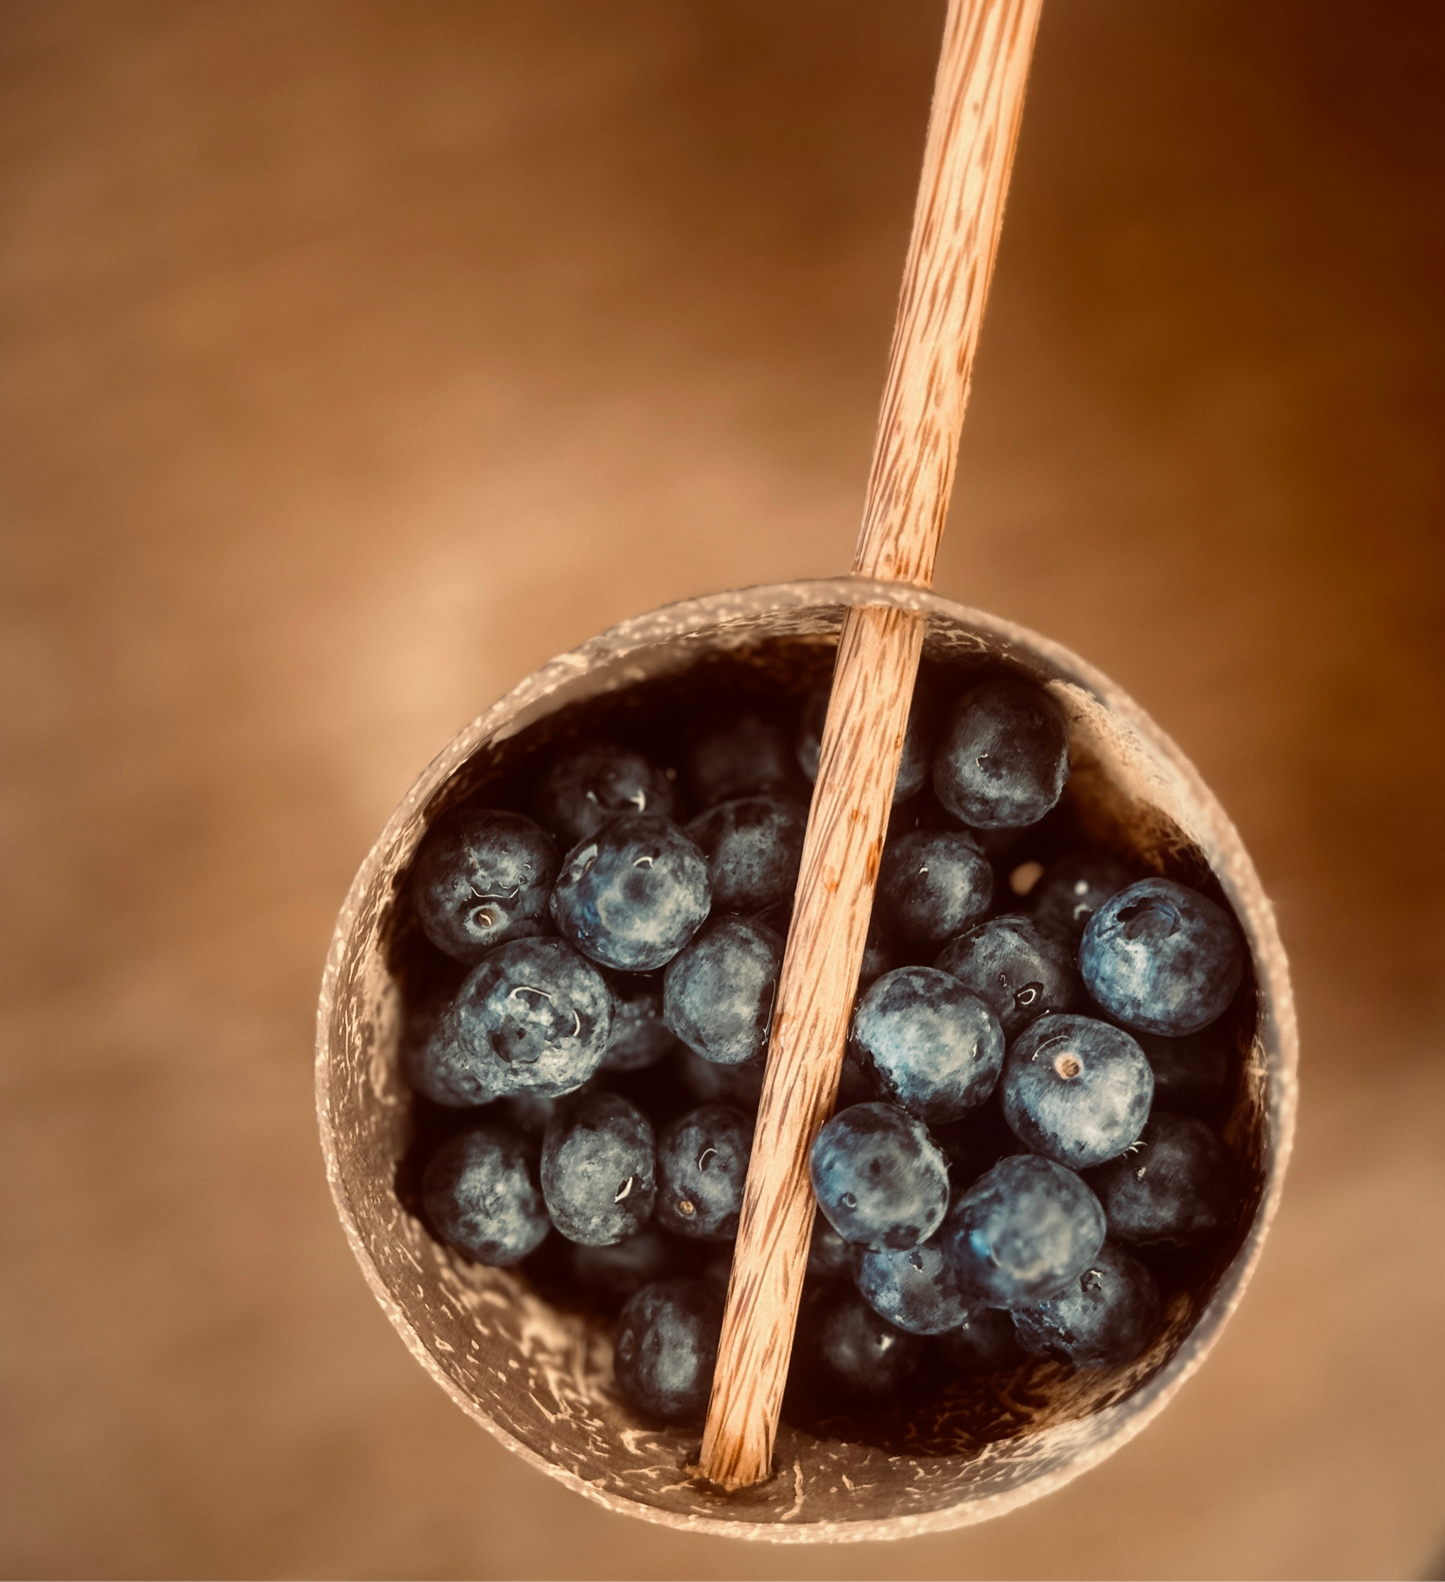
540	1378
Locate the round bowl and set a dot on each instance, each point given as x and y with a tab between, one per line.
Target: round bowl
539	1377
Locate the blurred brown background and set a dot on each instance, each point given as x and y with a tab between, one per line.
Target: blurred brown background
358	357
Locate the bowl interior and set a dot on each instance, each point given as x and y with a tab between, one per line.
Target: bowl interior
537	1371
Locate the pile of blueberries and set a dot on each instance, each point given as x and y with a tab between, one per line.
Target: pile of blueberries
1018	1133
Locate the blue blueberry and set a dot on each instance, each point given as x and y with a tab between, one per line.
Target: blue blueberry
1073	888
1017	970
1004	757
1022	1232
1108	1315
912	767
1076	1090
639	1037
865	1353
665	1348
1176	1186
1190	1073
879	1177
533	1017
932	1046
482	877
933	884
1162	958
717	996
737	755
440	1066
753	846
480	1194
708	1083
586	786
599	1161
914	1288
632	895
829	1256
985	1341
702	1163
609	1275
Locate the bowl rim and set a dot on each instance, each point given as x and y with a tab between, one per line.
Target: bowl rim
1279	1030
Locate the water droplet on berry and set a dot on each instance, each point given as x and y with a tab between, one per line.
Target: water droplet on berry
706	1157
624	1189
1028	994
848	1200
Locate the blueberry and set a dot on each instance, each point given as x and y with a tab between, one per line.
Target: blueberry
482	877
1072	889
1076	1089
665	1349
829	1256
639	1037
977	1142
533	1017
737	755
440	1066
718	993
586	786
740	1086
913	1288
1017	970
1108	1315
879	1177
632	895
876	959
702	1164
933	1047
983	1342
609	1275
856	1084
598	1163
933	884
864	1352
912	767
480	1193
1022	1232
529	1112
1176	1186
1004	756
1162	958
753	846
1190	1073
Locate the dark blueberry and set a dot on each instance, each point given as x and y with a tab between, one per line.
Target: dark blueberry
632	895
609	1275
932	884
912	767
876	960
914	1289
586	786
864	1352
1016	969
482	877
718	993
702	1163
753	846
1162	958
665	1349
441	1067
598	1164
879	1177
1076	1089
741	1086
1073	888
480	1193
1190	1073
1176	1186
856	1084
1022	1232
530	1113
933	1047
829	1256
737	755
639	1037
1004	756
984	1341
716	1273
1108	1315
976	1143
534	1017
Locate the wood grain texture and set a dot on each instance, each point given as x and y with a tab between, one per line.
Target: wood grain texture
972	130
